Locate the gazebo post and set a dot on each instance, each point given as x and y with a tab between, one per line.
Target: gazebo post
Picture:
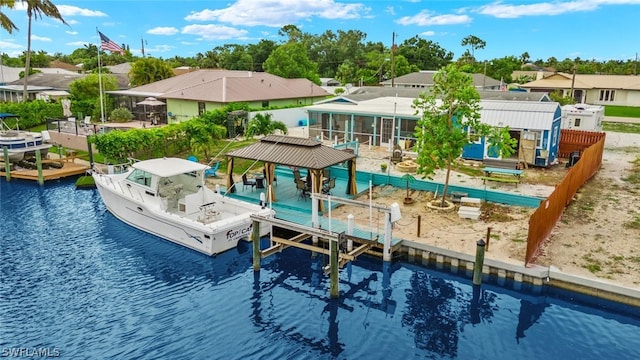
230	182
316	182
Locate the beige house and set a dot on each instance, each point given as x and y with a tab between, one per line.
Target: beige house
622	90
424	79
193	93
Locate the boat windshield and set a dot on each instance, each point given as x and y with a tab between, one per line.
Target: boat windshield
140	177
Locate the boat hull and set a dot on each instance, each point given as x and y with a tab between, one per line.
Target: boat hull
148	215
22	144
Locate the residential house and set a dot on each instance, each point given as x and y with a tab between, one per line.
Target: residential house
193	93
48	85
535	126
367	113
424	79
622	90
386	116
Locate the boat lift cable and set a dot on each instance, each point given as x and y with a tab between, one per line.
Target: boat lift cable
223	149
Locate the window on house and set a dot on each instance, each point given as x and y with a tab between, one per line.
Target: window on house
576	122
473	136
607	95
201	108
265	104
538	139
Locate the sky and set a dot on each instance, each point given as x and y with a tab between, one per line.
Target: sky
589	29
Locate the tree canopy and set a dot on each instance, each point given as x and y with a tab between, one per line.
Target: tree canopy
290	61
148	70
450	121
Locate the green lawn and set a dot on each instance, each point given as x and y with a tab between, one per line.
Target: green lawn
622	111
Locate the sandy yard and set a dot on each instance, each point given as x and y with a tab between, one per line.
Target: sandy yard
598	235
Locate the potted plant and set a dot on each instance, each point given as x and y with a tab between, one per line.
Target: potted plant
408	178
383	167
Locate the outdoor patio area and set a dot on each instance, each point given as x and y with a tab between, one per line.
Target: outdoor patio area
291	206
289	198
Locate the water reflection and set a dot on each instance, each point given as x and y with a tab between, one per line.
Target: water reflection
438	311
529	314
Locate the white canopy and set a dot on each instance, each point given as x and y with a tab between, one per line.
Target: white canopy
166	167
151	101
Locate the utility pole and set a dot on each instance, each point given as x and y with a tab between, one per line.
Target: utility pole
484	76
573	82
393	63
142	41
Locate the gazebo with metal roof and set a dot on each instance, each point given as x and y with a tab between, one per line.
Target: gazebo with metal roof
295	152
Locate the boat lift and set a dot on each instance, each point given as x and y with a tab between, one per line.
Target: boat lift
337	258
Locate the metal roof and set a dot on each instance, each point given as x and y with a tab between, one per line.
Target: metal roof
374	92
293	151
388	106
519	114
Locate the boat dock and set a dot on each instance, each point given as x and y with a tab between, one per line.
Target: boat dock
69	168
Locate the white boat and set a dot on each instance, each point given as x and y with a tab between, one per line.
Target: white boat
20	143
168	197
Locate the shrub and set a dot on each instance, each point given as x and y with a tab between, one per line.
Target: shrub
121	115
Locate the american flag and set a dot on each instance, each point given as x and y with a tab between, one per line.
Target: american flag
107	44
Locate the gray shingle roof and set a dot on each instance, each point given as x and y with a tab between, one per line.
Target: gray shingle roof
374	92
293	151
62	81
225	86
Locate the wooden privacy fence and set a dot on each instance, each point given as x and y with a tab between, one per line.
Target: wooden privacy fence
576	140
544	219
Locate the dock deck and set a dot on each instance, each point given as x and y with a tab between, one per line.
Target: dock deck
68	169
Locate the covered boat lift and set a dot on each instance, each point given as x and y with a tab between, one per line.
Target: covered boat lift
295	152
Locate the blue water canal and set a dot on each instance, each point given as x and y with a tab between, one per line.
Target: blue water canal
80	284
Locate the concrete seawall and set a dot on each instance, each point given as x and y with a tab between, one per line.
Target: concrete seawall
457	263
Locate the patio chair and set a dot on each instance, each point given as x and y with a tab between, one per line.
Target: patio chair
248	182
326	189
192	158
302	188
296	176
212	170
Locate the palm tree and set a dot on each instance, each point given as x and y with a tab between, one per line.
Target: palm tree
5	22
262	124
36	8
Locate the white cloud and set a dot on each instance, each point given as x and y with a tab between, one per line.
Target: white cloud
426	18
277	13
390	10
9	45
163	30
77	44
214	32
40	38
504	11
68	10
428	33
72	22
71	32
159	49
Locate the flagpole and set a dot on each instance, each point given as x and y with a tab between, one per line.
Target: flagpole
100	78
